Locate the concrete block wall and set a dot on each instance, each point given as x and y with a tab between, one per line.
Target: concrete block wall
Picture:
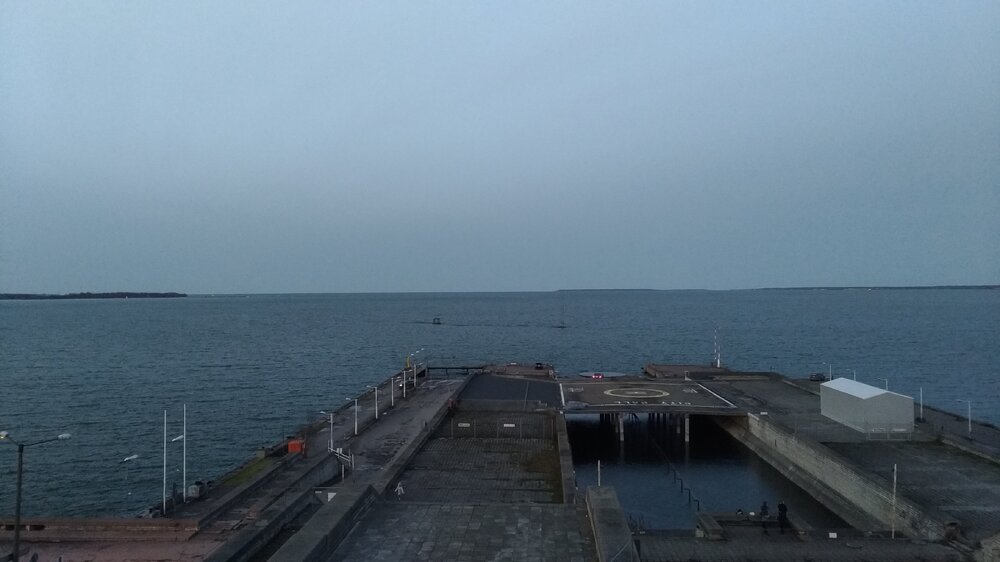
565	460
612	535
990	551
862	499
76	529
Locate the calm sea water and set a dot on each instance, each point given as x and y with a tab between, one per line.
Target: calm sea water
253	369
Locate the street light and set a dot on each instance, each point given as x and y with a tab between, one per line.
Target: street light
376	399
969	414
413	357
329	447
183	440
830	365
355	414
5	437
126	462
886	382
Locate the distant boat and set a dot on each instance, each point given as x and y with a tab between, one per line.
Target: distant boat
436	320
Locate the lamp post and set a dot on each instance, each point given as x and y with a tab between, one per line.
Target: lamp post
355	414
967	415
184	475
329	447
163	508
886	382
126	462
830	365
376	399
5	437
182	439
855	373
413	357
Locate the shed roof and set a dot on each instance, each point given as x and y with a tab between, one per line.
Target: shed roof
855	388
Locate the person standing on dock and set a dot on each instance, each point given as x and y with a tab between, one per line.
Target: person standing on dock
763	517
399	490
782	516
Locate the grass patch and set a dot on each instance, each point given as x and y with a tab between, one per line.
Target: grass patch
247	473
546	463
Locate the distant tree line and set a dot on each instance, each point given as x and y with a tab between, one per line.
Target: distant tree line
120	295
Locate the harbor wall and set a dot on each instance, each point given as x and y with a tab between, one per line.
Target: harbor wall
863	500
612	535
566	470
73	529
321	535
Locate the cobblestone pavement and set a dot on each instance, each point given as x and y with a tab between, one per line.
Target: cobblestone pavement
471	533
750	544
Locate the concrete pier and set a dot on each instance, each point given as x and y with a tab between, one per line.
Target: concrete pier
478	466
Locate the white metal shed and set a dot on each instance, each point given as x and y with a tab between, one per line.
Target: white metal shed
866	408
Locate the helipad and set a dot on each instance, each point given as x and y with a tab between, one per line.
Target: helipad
642	396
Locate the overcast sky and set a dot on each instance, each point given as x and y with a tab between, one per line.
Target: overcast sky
241	146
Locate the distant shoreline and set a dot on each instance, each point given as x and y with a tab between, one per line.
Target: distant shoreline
817	288
67	296
887	288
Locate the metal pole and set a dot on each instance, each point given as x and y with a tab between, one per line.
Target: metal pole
598	473
921	403
355	416
330	447
893	501
376	401
970	418
184	492
17	504
164	510
392	392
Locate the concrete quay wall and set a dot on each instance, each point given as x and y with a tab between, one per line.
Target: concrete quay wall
71	529
989	550
611	531
324	531
566	470
862	499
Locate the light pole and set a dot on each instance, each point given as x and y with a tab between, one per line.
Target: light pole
5	437
183	440
830	365
413	356
329	447
886	382
163	509
969	414
355	414
855	373
184	476
126	462
376	399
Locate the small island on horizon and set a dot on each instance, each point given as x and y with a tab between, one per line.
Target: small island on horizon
116	295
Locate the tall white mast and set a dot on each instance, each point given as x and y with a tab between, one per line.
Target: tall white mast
718	350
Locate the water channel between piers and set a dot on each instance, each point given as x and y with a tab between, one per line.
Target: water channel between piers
501	463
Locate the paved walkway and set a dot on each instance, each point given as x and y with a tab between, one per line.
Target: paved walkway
938	476
376	444
478	498
749	544
471	533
